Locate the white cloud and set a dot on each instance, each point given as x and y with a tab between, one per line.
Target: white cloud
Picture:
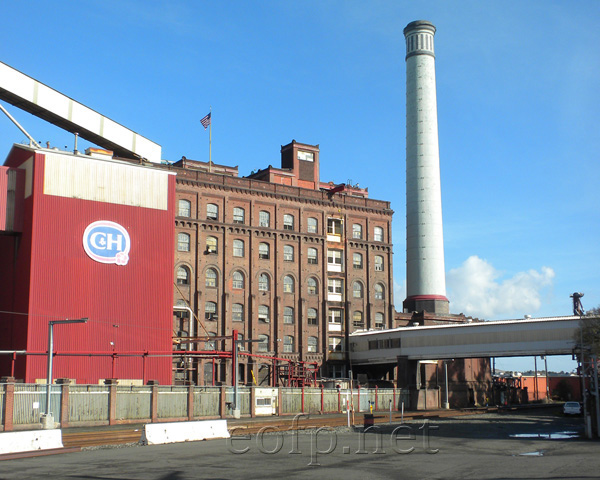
475	288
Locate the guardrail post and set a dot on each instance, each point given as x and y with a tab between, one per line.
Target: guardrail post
9	401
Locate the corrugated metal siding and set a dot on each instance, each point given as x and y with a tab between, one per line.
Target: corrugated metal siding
207	401
102	181
130	306
88	403
172	402
30	403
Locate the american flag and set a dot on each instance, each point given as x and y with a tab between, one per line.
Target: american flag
205	121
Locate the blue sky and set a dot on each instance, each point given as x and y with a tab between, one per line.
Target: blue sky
518	108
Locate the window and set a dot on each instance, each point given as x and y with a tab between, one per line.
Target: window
357	290
183	242
378	234
335	316
335	344
306	156
335	285
212	211
312	225
334	260
263	251
357	319
264	315
183	276
211	278
211	344
263	344
288	315
210	311
288	222
312	256
288	253
379	320
378	291
378	263
312	344
264	218
312	316
357	231
357	260
288	344
312	286
238	279
238	248
288	284
239	215
211	244
185	208
334	226
237	312
263	282
240	342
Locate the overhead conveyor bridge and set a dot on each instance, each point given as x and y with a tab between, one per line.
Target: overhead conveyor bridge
48	104
504	338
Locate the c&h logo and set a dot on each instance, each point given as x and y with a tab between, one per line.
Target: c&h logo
107	242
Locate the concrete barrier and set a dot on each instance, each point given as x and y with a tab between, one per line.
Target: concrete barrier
158	433
16	442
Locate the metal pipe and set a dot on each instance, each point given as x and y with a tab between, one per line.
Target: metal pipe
20	127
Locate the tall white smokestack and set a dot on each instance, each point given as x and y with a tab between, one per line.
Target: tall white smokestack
425	274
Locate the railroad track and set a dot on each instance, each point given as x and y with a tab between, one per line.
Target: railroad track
102	437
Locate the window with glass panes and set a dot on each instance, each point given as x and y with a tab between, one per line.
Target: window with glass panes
357	319
378	234
335	316
288	344
237	312
312	315
312	255
334	226
379	320
211	244
312	225
288	222
263	345
211	278
264	218
334	257
288	253
378	263
239	215
264	315
238	279
312	286
263	282
357	289
288	284
335	285
357	231
238	248
210	311
378	291
263	251
185	208
357	260
183	276
336	344
312	344
288	315
212	211
183	242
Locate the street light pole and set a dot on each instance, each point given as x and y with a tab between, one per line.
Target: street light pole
51	324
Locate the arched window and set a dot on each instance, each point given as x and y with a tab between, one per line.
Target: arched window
357	231
237	312
264	314
264	218
357	260
211	244
238	279
357	290
185	208
379	320
288	344
288	284
211	344
183	242
288	222
211	277
379	291
288	315
288	253
357	319
312	256
239	215
312	285
378	234
238	248
263	250
312	344
312	225
312	316
183	276
263	282
263	344
378	263
212	211
210	311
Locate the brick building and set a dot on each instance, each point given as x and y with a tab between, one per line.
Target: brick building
281	257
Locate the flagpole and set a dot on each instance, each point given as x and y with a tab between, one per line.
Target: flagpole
210	141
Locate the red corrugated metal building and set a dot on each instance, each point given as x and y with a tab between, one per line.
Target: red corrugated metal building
96	241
